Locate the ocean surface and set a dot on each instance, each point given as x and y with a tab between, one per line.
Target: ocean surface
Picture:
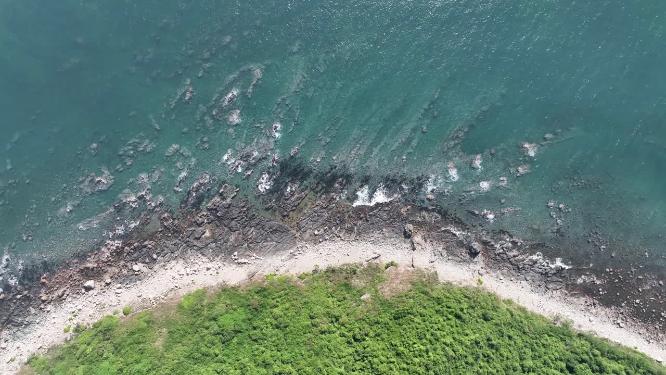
544	118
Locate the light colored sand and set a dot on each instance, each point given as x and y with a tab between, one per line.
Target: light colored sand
195	271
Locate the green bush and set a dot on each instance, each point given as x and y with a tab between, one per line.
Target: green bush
318	324
127	310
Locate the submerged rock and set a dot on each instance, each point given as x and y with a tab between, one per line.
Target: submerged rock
95	183
196	194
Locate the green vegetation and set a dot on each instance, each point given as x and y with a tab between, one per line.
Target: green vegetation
127	310
347	320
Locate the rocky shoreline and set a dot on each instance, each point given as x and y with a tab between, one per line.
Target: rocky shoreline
217	222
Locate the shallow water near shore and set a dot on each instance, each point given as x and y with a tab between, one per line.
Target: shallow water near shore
543	119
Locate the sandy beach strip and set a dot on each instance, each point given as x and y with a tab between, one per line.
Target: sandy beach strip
193	271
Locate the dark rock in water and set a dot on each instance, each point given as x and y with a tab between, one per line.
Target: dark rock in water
196	194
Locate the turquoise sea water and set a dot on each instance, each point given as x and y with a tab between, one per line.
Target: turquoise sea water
150	92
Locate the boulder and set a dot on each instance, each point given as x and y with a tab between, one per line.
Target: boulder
89	285
474	248
408	231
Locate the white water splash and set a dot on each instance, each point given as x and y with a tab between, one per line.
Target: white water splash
453	172
530	149
379	196
275	130
265	183
476	162
234	117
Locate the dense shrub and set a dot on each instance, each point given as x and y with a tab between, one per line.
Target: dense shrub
320	324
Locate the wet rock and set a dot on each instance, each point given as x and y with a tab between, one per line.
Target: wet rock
166	219
196	193
89	285
474	249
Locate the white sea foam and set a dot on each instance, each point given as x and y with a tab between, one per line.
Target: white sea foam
265	183
379	196
234	117
476	162
172	150
557	264
432	184
230	97
523	169
530	149
275	130
488	215
453	172
226	158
